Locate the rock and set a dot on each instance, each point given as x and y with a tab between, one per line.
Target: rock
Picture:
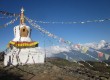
103	78
55	68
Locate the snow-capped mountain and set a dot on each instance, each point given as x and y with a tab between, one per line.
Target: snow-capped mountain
74	51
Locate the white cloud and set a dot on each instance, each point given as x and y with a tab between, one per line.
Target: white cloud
56	50
53	50
101	44
91	45
94	45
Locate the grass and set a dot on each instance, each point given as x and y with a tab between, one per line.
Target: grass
63	62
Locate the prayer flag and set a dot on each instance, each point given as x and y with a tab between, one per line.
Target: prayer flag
107	56
100	54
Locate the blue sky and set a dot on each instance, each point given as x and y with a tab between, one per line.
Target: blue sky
60	10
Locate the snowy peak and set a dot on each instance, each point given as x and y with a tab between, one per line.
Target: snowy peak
101	44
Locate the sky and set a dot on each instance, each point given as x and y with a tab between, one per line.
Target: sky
58	11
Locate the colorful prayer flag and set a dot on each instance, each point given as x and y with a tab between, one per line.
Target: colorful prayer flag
100	54
84	49
107	56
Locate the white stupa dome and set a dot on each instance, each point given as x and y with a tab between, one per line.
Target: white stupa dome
22	33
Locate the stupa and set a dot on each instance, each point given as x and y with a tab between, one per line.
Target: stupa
22	50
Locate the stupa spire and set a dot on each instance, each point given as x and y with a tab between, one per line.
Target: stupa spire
22	16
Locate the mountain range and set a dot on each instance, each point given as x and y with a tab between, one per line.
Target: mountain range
74	53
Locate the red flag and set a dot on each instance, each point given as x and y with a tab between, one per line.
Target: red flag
100	54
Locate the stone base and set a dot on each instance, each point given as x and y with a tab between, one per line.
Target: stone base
23	56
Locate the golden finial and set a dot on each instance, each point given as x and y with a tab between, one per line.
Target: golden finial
22	16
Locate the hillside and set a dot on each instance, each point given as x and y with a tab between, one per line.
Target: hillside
55	69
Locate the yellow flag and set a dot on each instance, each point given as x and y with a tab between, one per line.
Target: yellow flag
84	49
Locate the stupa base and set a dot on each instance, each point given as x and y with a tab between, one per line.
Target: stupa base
23	56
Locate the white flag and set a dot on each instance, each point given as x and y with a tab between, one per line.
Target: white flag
107	56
